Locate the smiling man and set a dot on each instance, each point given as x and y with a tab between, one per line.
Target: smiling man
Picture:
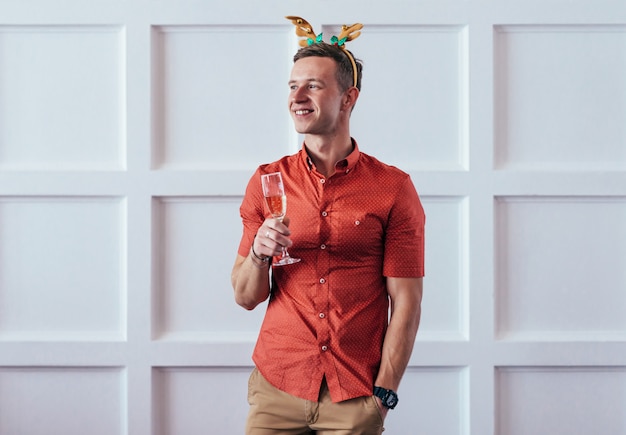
340	324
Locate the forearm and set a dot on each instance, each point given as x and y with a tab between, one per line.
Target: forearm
251	277
406	297
397	349
250	281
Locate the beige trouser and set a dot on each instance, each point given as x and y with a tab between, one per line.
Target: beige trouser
273	411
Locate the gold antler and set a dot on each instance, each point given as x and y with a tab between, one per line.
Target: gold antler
346	31
303	28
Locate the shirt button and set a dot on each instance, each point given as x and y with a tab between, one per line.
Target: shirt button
322	181
324	348
322	315
324	213
322	280
323	246
357	222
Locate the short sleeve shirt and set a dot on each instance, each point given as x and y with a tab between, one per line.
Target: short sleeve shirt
327	315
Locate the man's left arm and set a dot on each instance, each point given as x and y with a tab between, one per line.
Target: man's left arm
406	298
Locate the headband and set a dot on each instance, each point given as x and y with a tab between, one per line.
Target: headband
348	33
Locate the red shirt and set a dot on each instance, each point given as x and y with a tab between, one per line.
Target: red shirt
327	315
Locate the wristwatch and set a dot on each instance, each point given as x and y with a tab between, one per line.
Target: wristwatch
389	397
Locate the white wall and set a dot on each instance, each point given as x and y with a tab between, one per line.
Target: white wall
128	130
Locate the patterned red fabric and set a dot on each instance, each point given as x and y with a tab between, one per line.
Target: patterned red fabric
327	315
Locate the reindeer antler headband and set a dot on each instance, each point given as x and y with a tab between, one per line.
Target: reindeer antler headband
348	33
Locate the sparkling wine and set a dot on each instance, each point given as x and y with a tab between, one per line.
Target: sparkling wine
277	205
274	193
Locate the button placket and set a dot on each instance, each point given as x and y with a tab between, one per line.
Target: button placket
325	204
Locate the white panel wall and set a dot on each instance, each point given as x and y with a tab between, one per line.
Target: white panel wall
548	400
63	268
62	103
129	129
62	400
539	294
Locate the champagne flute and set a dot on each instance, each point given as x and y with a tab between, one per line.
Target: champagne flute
274	192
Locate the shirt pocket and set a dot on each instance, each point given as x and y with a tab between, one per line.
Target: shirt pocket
359	235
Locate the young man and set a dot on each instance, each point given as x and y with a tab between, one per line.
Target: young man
329	358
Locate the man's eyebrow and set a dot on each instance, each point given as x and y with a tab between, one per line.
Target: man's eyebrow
309	80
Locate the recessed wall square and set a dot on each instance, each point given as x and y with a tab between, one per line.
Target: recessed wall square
63	268
207	79
556	259
63	98
560	97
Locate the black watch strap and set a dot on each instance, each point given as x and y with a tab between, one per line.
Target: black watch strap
388	397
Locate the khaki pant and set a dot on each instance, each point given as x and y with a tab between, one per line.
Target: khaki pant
274	412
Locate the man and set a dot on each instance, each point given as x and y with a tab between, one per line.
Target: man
329	357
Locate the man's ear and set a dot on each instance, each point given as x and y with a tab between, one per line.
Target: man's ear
350	97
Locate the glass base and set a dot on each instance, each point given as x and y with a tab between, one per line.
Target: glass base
285	260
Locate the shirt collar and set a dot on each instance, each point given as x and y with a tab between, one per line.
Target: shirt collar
343	166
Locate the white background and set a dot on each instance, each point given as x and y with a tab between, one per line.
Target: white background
129	129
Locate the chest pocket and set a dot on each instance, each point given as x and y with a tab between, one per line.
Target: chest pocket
359	235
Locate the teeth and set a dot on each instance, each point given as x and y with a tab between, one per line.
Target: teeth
302	112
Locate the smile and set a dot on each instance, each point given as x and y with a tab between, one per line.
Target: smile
302	112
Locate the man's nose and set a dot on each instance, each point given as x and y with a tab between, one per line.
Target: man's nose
299	95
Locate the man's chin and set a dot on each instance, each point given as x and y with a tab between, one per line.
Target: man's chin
300	129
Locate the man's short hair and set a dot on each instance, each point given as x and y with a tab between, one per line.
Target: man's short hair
345	75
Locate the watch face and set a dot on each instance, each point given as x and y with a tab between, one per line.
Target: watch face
392	400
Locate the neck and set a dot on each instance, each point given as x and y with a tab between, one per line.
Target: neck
325	152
